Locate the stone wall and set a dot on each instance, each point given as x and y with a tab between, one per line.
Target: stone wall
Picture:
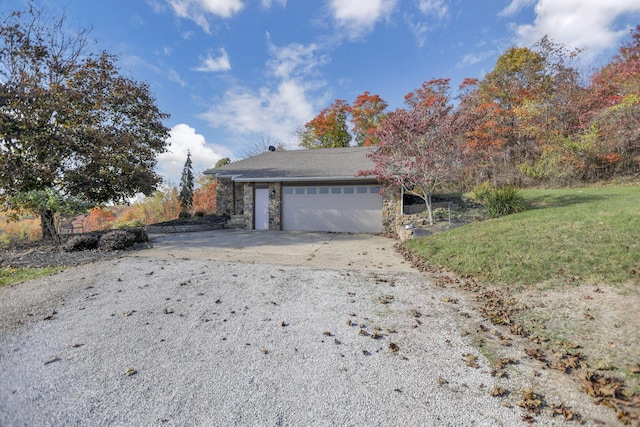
248	203
275	206
224	197
238	205
391	210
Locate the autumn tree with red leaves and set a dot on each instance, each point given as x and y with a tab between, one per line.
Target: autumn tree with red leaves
420	148
204	197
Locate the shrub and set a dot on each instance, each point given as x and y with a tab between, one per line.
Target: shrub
82	242
505	201
117	240
199	213
499	201
482	192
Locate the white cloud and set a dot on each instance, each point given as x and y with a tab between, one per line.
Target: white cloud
278	109
358	17
183	138
584	24
211	64
294	59
175	77
474	58
516	6
437	8
199	10
266	4
435	11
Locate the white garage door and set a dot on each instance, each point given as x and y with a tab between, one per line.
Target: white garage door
346	208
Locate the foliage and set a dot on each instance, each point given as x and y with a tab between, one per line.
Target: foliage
367	112
505	200
419	148
328	129
98	219
11	276
204	197
81	243
186	188
223	161
70	124
588	233
117	240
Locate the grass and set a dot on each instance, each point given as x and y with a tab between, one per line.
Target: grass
586	234
10	276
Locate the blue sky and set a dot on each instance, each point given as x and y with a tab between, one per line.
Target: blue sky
236	73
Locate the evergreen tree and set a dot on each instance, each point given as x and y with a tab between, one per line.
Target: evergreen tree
186	188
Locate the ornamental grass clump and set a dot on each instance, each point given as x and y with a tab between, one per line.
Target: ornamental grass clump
499	201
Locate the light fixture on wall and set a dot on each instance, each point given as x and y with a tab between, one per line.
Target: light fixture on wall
273	193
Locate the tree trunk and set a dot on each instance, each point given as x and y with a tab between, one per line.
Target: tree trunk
429	208
48	226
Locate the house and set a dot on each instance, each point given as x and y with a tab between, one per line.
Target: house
309	190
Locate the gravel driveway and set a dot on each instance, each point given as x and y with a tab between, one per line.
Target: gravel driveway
163	340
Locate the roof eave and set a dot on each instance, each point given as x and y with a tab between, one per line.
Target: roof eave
241	178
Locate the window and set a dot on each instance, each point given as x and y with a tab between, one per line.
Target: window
348	190
336	190
312	190
361	190
375	189
300	190
324	190
288	190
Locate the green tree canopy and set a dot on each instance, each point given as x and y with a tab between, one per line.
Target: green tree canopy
70	124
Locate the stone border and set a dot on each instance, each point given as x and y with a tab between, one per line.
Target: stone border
166	229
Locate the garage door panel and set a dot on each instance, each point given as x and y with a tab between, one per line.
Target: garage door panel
355	209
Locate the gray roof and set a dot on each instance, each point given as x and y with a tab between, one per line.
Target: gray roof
300	165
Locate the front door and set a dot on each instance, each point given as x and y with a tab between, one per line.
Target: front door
262	209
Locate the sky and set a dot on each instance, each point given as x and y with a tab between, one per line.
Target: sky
239	74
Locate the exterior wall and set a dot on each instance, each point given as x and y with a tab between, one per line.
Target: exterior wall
275	206
248	203
391	210
224	197
238	195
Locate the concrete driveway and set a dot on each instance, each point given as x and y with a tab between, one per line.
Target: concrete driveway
308	249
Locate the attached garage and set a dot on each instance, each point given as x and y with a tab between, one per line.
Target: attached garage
332	189
338	208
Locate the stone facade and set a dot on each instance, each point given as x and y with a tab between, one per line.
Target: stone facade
224	197
275	206
391	210
238	202
249	199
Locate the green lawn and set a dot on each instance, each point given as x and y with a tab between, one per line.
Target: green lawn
10	276
586	234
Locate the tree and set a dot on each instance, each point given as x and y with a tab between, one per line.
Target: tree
186	188
420	148
223	161
204	197
260	147
73	131
328	129
367	112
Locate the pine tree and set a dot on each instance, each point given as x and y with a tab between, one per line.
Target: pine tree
186	188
